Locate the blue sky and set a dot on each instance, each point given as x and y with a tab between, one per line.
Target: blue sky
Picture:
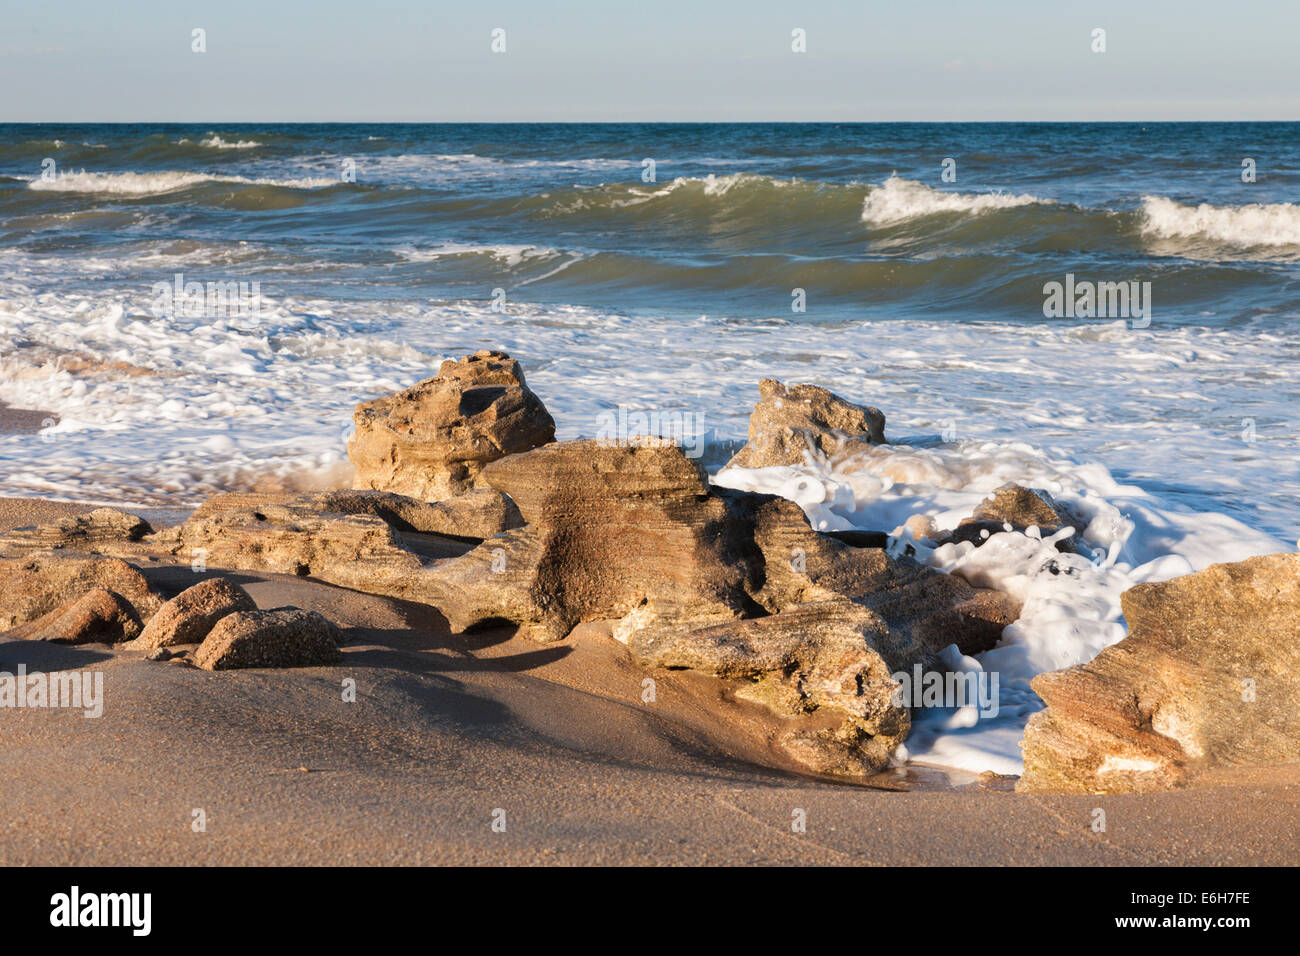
402	60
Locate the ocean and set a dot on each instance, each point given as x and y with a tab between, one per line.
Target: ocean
669	267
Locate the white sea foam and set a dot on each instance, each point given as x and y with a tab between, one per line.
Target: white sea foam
1071	602
898	200
153	184
1256	224
214	141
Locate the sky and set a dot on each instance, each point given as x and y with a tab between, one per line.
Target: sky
613	60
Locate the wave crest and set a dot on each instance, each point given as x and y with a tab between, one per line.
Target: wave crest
1256	224
899	200
154	184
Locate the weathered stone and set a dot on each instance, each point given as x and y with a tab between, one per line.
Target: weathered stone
98	616
475	514
790	423
188	617
284	637
358	551
974	625
1209	675
99	531
432	440
831	658
609	527
36	584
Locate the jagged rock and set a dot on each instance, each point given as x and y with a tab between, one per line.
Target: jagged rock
188	617
1018	507
974	625
358	551
98	616
608	528
86	532
432	440
35	584
1209	675
284	637
830	658
478	514
930	608
612	528
790	422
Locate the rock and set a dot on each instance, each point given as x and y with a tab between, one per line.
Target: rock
788	423
1019	507
284	637
358	551
432	440
36	584
974	625
98	616
159	654
475	514
188	617
609	527
1175	696
829	658
97	531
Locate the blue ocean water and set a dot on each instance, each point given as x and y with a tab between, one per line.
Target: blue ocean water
377	250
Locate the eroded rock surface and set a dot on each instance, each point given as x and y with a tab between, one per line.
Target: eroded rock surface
790	422
1209	675
188	617
35	584
432	440
284	637
98	616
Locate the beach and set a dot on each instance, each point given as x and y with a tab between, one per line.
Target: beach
610	501
447	729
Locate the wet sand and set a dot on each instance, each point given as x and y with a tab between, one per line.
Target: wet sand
447	729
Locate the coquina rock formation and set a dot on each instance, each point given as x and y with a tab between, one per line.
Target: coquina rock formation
1209	675
432	440
790	422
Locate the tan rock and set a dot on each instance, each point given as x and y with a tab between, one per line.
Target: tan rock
188	617
1209	675
98	616
477	514
829	659
791	422
284	637
432	440
104	530
35	584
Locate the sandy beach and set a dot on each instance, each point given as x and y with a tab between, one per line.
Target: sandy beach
447	729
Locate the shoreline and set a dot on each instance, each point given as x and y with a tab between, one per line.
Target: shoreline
449	728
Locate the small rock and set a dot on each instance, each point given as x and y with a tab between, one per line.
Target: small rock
432	440
35	585
284	637
99	615
790	422
188	617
